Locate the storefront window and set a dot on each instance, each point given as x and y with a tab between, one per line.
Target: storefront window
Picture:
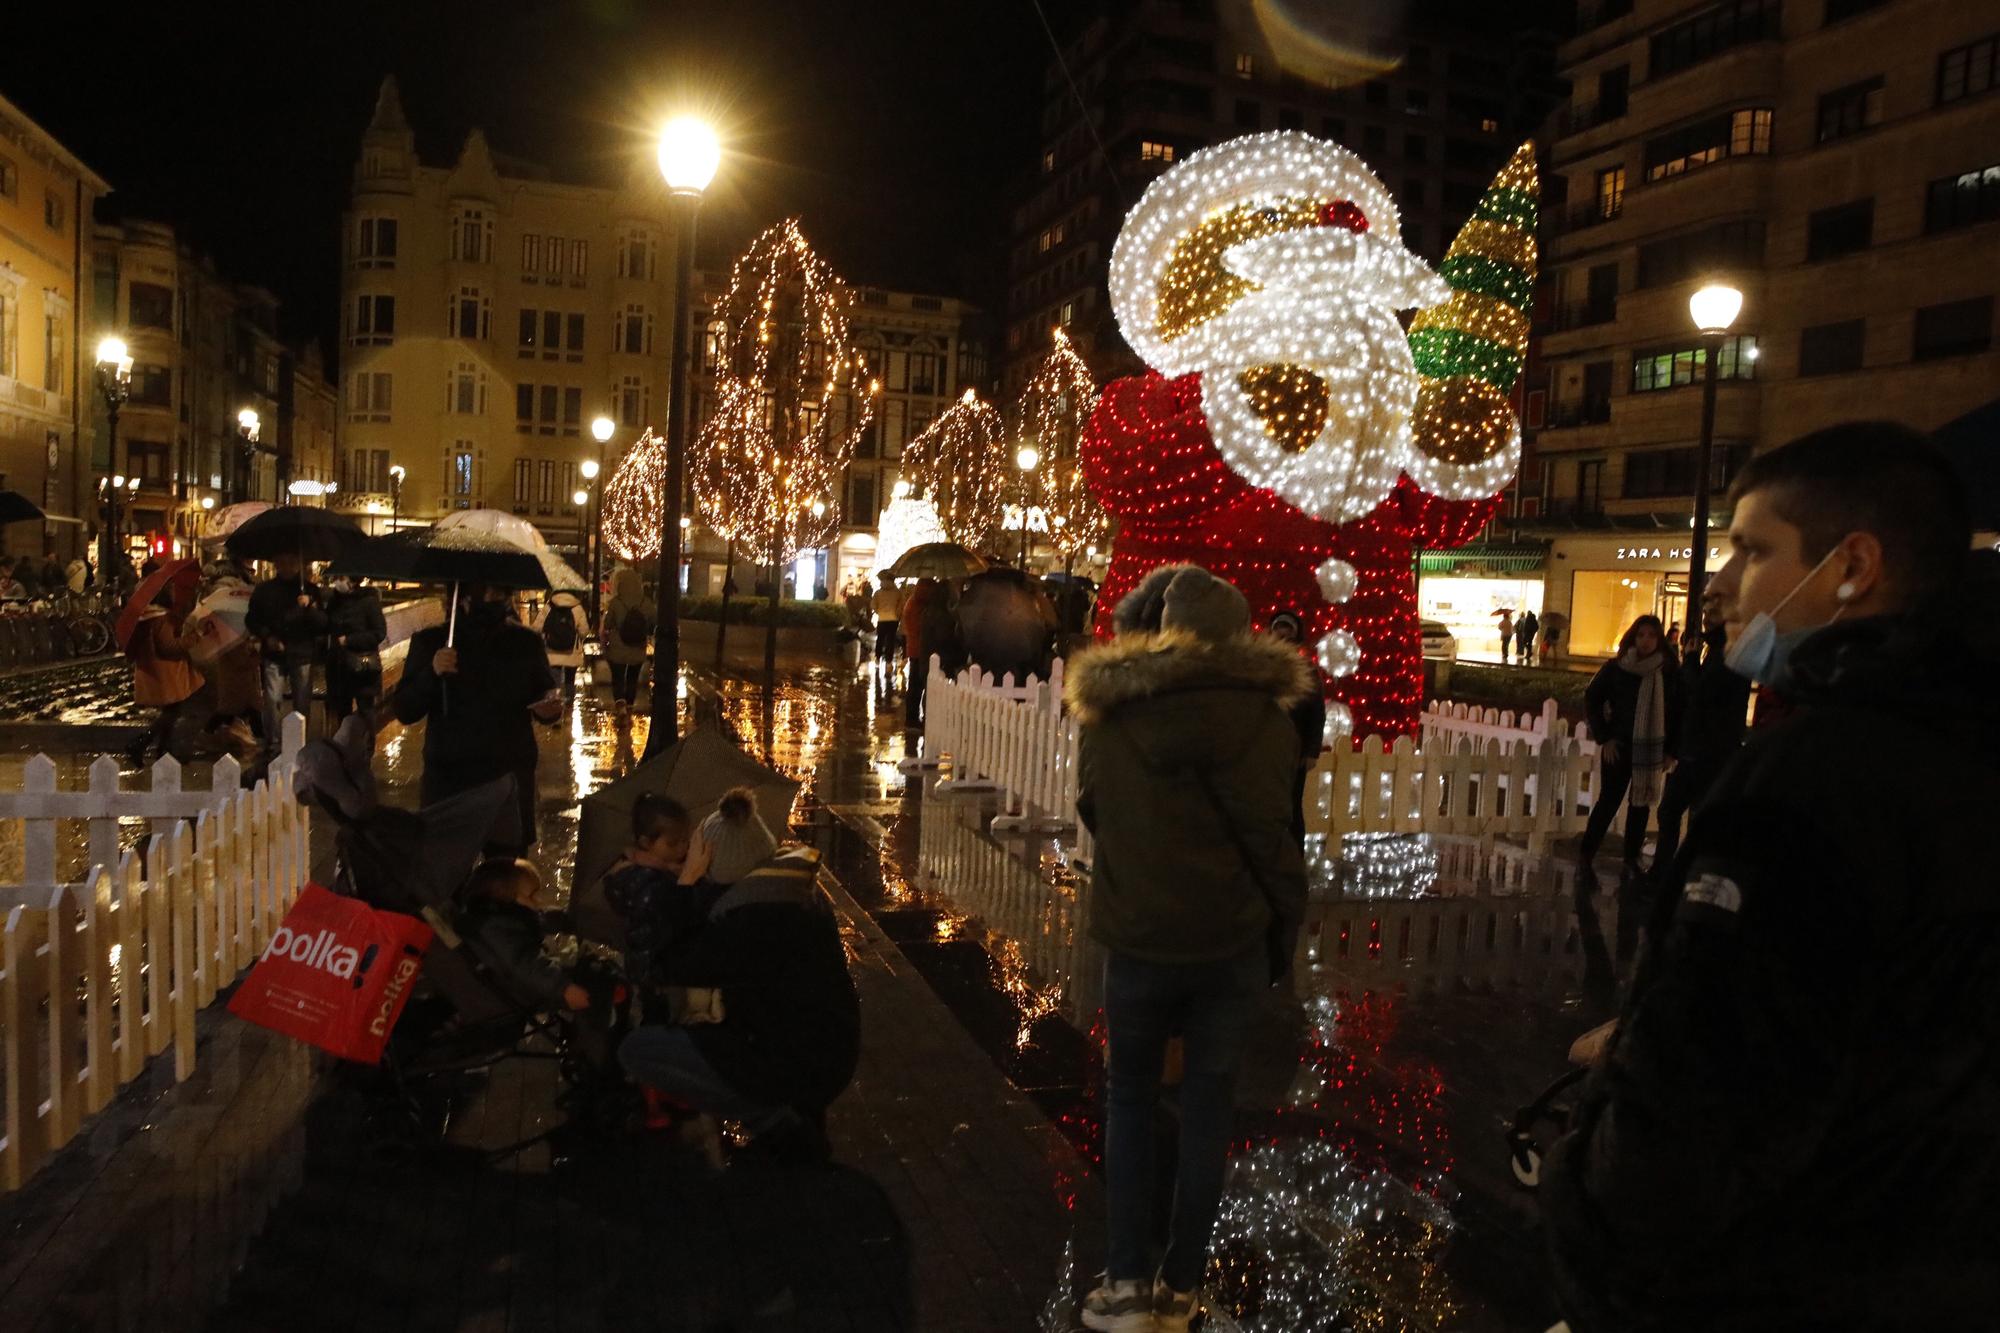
1604	603
1470	608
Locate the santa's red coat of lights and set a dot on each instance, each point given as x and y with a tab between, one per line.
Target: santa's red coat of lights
1150	460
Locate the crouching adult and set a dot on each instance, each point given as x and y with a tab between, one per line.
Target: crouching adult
790	1028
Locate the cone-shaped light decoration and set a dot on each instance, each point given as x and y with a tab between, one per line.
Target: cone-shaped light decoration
962	463
1469	350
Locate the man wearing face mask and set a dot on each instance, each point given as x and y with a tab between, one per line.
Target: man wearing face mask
481	697
1796	1124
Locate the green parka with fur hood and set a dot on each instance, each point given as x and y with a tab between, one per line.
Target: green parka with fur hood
1188	759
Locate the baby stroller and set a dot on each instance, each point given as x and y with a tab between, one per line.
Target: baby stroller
466	1015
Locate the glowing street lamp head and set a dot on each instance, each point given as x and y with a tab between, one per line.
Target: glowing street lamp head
1028	459
819	509
901	490
1715	307
580	498
601	428
247	421
689	154
208	502
589	469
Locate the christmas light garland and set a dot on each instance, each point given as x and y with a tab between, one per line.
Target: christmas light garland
632	500
1053	410
793	397
1260	277
960	463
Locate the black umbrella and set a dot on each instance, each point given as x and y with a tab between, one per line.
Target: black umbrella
310	534
18	508
1972	443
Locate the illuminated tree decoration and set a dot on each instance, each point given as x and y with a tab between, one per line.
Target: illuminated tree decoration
906	524
1469	350
1053	410
792	397
960	464
1288	439
632	500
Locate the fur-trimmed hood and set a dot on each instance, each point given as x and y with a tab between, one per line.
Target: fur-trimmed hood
1144	666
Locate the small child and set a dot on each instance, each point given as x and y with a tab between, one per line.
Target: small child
500	920
655	886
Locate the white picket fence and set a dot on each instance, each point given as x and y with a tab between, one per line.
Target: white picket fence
1446	721
1478	772
101	975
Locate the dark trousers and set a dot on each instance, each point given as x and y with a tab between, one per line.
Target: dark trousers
625	680
1613	782
1145	1004
1686	785
913	692
345	692
885	643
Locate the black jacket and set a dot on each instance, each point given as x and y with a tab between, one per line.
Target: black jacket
1798	1125
791	1028
507	937
479	726
1189	767
274	613
1612	703
356	616
1718	708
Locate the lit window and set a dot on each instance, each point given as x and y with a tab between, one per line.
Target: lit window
1149	151
1246	65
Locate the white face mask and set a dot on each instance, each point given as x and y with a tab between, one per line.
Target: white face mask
1759	653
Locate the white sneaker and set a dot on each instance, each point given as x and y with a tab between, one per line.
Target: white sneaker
1120	1307
1171	1309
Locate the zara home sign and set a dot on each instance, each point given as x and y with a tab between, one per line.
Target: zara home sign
1664	552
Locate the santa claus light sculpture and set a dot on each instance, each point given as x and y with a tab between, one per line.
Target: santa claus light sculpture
1290	437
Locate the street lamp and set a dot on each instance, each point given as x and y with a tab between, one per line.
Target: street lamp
689	154
249	427
114	381
1028	459
396	475
1713	308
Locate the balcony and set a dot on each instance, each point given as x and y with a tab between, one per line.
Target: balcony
1578	217
1587	412
1581	116
1580	315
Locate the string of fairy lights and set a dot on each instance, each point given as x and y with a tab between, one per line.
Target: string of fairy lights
1054	407
633	498
959	463
792	399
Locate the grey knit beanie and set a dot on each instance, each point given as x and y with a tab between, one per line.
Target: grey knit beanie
738	839
1138	611
1198	603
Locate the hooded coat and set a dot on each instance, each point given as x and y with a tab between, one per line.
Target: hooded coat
791	1028
1798	1123
628	593
1187	767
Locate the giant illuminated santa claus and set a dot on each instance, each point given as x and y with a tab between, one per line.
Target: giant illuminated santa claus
1291	437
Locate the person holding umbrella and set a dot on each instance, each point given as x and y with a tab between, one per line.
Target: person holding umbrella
354	660
149	630
287	619
480	681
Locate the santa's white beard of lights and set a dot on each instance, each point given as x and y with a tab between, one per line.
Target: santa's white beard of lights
1326	304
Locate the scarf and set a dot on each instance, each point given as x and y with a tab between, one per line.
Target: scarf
1649	727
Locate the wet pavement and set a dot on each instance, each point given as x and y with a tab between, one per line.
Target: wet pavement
1442	982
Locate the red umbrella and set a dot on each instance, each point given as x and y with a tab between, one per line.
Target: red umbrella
183	576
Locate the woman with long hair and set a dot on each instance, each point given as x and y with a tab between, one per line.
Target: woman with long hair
1633	709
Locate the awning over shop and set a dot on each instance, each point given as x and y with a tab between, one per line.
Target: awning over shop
1521	558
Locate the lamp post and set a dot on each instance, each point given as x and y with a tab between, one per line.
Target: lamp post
396	475
1714	308
1027	460
248	426
689	154
114	381
600	430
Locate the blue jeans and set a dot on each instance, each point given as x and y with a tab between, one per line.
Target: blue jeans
667	1058
277	677
1145	1004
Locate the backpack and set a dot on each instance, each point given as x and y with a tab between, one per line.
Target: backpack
559	629
632	628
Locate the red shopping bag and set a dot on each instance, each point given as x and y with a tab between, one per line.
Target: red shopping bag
336	974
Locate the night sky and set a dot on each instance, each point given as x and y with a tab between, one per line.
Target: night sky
892	127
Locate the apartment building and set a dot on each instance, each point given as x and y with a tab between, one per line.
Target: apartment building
46	197
490	313
1434	111
1837	160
